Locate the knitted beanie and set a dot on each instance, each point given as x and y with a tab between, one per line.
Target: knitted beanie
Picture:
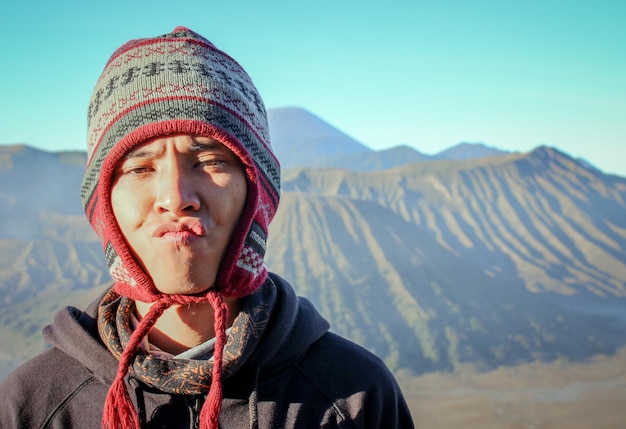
178	83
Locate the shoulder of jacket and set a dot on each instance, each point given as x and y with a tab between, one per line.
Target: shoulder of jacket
33	392
342	368
341	352
359	385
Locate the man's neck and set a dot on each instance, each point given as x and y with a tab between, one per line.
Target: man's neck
182	327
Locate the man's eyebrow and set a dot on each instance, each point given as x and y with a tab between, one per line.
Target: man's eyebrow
137	153
201	147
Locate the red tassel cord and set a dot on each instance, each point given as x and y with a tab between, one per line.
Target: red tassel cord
119	411
210	413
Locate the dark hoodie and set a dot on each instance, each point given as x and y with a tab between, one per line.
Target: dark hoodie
300	376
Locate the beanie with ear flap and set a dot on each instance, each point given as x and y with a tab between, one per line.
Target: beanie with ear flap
178	84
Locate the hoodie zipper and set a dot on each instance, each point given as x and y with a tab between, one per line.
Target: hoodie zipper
141	406
195	405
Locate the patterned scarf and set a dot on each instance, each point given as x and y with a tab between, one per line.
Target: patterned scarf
185	375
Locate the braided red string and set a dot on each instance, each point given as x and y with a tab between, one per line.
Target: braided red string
119	411
209	415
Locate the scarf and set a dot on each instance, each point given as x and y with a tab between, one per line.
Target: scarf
188	374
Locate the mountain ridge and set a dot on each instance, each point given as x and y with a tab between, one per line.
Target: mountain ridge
432	264
302	139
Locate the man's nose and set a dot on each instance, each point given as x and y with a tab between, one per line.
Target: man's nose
176	190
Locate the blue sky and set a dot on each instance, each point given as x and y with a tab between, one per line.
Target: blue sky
513	75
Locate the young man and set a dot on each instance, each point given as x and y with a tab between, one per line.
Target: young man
181	185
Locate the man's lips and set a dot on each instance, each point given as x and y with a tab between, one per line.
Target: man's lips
185	227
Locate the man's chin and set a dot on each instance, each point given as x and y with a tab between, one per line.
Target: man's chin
189	288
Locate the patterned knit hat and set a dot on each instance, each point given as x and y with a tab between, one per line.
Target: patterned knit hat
179	83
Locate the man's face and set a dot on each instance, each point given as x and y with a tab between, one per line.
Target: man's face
177	200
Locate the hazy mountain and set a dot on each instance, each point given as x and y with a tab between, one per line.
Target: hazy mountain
466	150
375	160
50	255
542	211
32	180
587	164
489	261
300	138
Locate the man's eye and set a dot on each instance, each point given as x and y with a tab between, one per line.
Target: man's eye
134	171
212	163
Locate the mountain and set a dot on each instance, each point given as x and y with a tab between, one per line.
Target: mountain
487	261
542	211
467	150
30	182
300	138
375	160
50	254
587	164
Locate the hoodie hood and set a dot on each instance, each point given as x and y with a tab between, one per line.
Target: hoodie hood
294	326
75	332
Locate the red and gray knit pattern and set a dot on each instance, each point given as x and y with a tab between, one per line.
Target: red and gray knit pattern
180	83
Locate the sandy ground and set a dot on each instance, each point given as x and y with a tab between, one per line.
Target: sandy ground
589	395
